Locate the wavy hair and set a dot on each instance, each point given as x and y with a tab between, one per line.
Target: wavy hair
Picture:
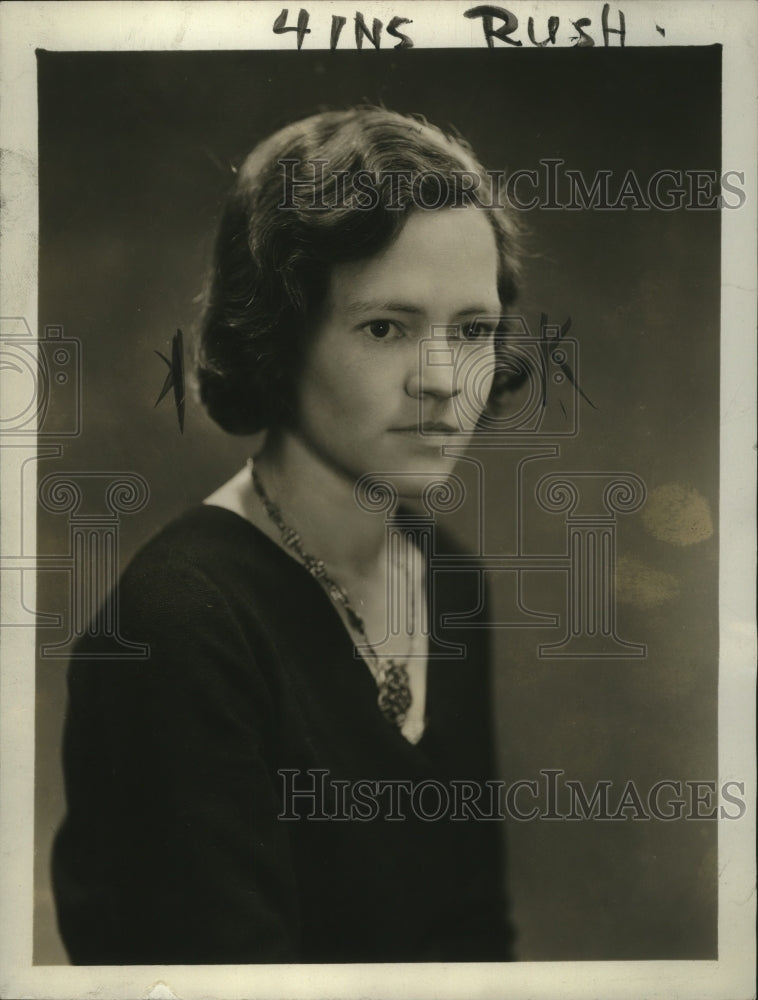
299	206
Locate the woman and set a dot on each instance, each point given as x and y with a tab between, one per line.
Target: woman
250	791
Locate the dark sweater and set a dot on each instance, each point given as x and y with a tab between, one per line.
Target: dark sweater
173	849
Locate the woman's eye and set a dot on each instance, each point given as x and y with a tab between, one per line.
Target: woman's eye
478	330
380	329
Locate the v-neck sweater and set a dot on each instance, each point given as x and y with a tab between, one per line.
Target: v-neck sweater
183	842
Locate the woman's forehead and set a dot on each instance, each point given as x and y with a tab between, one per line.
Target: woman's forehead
449	256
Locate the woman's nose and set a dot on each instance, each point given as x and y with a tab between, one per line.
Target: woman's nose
437	372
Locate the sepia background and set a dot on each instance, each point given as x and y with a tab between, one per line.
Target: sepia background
136	153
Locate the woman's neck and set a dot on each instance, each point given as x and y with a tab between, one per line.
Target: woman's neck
318	501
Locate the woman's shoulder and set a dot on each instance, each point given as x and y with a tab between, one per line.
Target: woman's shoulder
208	537
189	611
205	556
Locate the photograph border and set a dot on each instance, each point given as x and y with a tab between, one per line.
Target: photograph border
155	26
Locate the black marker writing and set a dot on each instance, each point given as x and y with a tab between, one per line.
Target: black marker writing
362	30
500	24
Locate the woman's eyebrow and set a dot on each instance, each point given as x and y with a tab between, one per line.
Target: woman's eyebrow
380	305
481	312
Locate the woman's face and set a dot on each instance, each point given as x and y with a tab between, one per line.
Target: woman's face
383	389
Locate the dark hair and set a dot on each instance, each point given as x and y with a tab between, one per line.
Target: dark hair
288	221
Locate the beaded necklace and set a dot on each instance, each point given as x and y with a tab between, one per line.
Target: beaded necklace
394	697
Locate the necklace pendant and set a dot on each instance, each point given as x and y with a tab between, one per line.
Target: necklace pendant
394	698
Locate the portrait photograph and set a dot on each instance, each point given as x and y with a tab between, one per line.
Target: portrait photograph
378	500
